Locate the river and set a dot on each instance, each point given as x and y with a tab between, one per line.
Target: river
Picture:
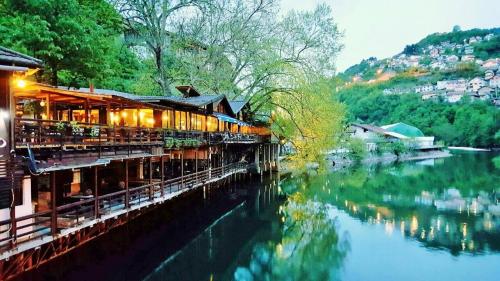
422	220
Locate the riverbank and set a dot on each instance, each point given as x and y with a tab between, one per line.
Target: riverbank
341	161
337	161
464	148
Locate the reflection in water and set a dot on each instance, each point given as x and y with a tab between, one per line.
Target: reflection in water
452	204
309	249
366	223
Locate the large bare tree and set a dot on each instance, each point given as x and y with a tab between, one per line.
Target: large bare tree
149	23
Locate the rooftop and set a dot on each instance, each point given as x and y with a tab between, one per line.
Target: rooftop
13	58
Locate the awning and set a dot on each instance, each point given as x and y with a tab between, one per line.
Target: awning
225	118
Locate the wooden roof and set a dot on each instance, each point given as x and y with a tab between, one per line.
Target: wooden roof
13	58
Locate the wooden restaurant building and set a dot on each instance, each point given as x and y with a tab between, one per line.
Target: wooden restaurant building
75	163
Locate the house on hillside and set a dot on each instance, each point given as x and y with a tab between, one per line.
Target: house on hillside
488	37
453	97
459	85
430	96
488	74
476	84
490	64
468	58
452	59
434	53
495	82
424	88
469	50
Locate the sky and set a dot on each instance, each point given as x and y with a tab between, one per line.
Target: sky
382	28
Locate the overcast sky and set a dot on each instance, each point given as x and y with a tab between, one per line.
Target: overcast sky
382	28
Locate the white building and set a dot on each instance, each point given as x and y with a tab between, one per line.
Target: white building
476	84
495	82
468	58
453	97
491	64
424	88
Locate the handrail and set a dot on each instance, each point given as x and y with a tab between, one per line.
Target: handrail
39	224
47	132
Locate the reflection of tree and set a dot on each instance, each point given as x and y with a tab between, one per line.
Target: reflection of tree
310	248
405	197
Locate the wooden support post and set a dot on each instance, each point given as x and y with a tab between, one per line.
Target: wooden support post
162	172
127	190
86	106
53	206
47	107
182	169
196	165
96	192
151	188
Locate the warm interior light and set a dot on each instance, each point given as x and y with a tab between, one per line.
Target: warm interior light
124	114
42	103
44	116
141	114
20	83
151	121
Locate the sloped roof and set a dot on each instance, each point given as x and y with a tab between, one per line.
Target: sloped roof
404	129
237	105
109	92
13	58
379	130
188	91
197	101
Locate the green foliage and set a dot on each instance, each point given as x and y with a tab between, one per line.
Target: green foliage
455	37
411	50
488	49
77	40
461	124
357	148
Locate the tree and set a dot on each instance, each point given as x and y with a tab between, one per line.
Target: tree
310	118
148	23
241	47
357	149
411	49
71	37
456	28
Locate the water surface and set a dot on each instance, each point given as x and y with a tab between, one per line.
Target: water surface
425	220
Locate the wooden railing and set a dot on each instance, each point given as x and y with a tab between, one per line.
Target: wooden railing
50	133
47	223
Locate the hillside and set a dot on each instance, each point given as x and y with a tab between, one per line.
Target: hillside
443	52
448	85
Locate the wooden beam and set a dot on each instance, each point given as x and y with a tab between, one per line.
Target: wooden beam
96	192
162	172
151	189
127	190
53	206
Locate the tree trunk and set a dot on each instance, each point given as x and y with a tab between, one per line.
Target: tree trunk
162	76
53	77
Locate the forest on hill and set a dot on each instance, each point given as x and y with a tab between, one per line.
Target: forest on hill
464	123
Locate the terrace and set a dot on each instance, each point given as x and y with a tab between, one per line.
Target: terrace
48	117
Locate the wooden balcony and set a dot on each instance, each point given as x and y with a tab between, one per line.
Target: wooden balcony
59	134
43	226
